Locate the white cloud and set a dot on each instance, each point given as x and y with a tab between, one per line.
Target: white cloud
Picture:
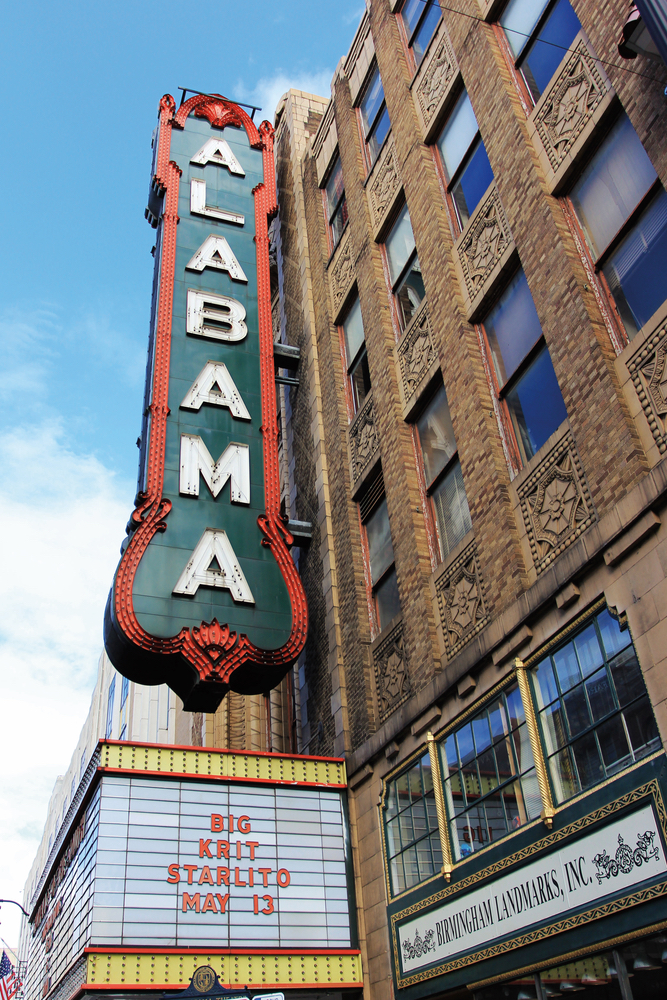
268	90
63	516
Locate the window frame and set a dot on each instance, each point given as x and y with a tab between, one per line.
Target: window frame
432	831
449	184
371	588
349	366
369	159
467	719
409	39
341	204
394	289
528	100
586	620
514	449
594	264
426	489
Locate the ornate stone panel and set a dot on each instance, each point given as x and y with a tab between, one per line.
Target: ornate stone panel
435	80
484	248
555	503
567	113
648	372
460	596
384	185
341	271
391	671
416	356
364	440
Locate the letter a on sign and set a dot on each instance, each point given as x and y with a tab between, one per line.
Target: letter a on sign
218	151
215	385
213	564
216	252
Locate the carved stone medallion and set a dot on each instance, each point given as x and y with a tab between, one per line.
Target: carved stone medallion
364	439
484	243
555	503
384	185
341	273
461	600
436	76
569	103
416	353
648	370
391	673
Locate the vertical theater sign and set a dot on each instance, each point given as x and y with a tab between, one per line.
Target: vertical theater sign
206	596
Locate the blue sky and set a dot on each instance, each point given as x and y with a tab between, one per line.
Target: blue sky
81	84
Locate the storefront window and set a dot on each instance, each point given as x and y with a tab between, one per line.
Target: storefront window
411	826
490	783
594	710
635	971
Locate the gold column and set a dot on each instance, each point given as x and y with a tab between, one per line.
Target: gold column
440	807
548	811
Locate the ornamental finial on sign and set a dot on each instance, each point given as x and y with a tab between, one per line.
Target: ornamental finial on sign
220	112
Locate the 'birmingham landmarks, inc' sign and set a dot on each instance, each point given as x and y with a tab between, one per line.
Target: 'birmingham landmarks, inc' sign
582	872
206	596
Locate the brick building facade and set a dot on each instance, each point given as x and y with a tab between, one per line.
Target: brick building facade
471	258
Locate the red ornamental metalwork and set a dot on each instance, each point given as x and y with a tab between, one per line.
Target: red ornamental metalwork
221	658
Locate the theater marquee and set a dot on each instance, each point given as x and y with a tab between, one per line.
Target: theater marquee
206	596
174	857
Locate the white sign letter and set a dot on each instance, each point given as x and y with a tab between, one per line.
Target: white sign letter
215	385
198	204
218	151
234	464
226	313
216	252
214	564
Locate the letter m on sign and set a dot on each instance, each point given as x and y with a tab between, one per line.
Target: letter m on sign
233	464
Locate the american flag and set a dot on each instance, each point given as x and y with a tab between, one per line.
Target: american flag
9	981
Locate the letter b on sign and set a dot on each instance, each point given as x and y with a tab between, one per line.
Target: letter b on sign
217	823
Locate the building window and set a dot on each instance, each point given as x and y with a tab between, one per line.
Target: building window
358	375
622	210
525	380
420	19
594	710
335	204
442	473
83	765
124	690
411	827
380	553
404	270
374	116
490	782
110	700
539	34
467	169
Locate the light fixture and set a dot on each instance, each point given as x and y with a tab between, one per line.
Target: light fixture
527	993
642	962
567	986
590	980
550	989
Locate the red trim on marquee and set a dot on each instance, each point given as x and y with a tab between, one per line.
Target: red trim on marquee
100	949
222	751
213	649
126	988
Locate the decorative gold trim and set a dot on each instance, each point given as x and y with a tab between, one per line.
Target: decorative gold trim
564	633
651	788
443	826
548	811
571	955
